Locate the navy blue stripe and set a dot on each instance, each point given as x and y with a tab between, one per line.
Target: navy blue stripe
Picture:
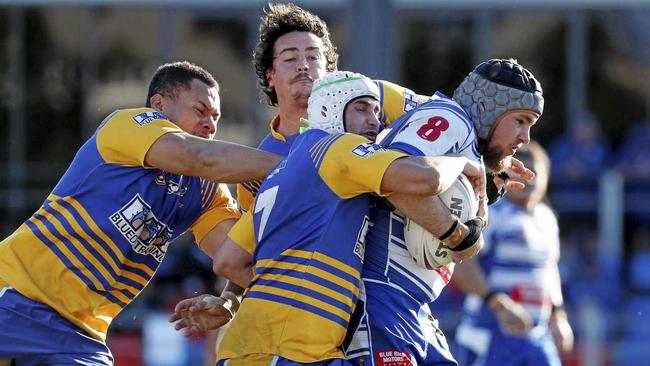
69	264
314	150
319	149
83	259
96	238
399	244
301	305
209	195
336	272
293	259
306	291
94	253
424	284
407	148
308	277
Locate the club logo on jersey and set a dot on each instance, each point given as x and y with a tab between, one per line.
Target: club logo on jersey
146	117
138	225
360	245
393	358
176	188
410	100
367	149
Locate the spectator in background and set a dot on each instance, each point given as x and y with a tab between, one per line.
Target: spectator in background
639	275
514	309
580	154
634	154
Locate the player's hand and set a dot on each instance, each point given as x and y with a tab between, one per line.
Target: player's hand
516	173
475	172
562	332
513	318
204	312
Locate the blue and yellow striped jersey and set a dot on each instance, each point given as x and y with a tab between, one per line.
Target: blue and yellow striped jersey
394	100
99	237
309	219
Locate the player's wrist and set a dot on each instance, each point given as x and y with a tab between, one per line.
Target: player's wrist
235	300
491	299
475	228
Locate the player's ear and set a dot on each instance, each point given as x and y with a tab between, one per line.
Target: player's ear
156	101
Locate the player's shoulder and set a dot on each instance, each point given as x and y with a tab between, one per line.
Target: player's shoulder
137	117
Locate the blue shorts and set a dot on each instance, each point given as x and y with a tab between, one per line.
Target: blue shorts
271	360
397	331
32	333
495	348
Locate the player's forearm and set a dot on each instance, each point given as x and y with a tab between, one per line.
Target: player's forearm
426	176
215	160
469	278
430	213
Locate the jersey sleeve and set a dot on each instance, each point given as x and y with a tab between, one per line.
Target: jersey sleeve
126	136
243	233
351	165
434	132
217	205
397	100
246	193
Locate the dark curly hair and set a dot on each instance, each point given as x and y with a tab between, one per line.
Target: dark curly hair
278	20
169	78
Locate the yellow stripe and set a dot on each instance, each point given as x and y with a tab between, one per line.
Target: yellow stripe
63	248
312	270
86	254
336	264
303	298
91	223
322	258
99	248
308	285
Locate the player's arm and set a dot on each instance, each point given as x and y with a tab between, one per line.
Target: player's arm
470	278
213	239
234	258
215	160
429	175
432	214
233	263
559	321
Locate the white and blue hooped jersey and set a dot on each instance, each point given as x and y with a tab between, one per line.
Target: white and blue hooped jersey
438	127
518	258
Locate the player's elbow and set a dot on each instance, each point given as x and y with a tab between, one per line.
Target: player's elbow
426	181
221	266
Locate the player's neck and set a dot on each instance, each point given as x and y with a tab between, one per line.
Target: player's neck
290	120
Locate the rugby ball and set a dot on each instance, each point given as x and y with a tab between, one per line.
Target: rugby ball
427	251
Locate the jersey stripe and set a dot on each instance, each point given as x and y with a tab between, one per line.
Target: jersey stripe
307	307
297	273
86	247
130	265
302	286
302	302
35	225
